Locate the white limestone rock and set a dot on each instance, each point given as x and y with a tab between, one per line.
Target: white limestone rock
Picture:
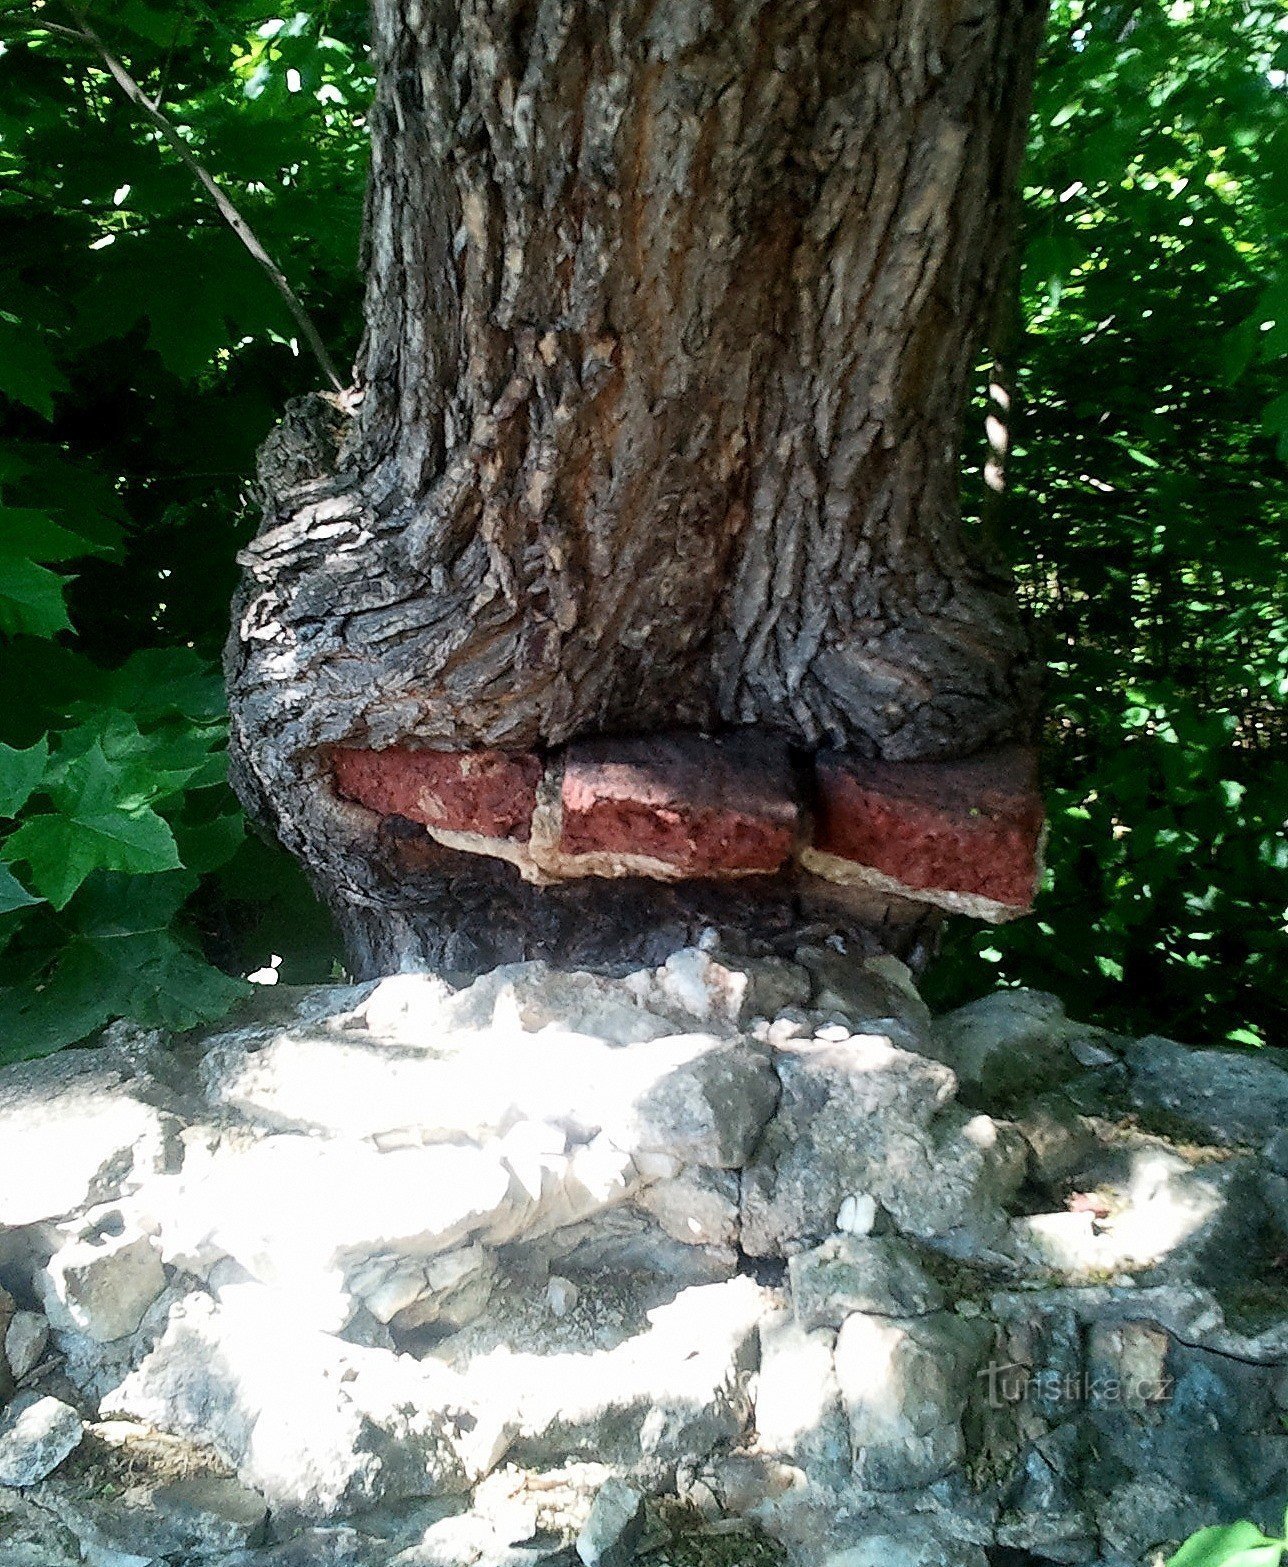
75	1130
561	1295
616	1381
102	1281
798	1414
297	1211
36	1435
614	1527
694	983
312	1423
697	1096
857	1214
904	1386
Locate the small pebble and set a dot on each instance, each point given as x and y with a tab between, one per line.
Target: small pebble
561	1295
857	1214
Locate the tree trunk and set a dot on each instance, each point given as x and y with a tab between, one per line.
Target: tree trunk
672	312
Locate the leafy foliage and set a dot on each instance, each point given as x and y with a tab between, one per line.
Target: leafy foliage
1231	1545
143	357
1147	516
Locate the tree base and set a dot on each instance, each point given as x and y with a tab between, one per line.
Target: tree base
464	913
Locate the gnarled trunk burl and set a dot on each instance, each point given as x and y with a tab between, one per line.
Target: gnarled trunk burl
672	313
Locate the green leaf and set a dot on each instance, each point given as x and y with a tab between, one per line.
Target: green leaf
1275	422
31	599
205	846
149	767
156	682
28	374
31	534
152	977
13	895
111	905
20	774
1228	1545
93	830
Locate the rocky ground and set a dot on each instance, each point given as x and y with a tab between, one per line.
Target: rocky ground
716	1263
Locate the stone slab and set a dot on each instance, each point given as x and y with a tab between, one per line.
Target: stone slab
963	834
698	805
491	793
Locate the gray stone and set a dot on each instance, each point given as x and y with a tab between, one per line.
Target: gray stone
1233	1097
1275	1153
1008	1046
1141	1516
707	1107
878	1274
614	1527
217	1512
545	1175
1190	1312
32	1536
775	986
1160	1213
102	1282
870	993
8	1376
95	1368
1274	1189
36	1435
25	1341
104	1556
861	1115
904	1387
412	1292
1061	1142
908	1543
190	1517
698	1206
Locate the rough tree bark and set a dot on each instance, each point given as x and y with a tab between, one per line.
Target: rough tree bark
672	312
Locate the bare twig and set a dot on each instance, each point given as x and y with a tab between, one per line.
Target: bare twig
228	212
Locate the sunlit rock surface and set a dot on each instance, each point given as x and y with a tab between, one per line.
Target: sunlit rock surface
714	1258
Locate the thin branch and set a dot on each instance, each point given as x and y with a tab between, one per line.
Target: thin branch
229	213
